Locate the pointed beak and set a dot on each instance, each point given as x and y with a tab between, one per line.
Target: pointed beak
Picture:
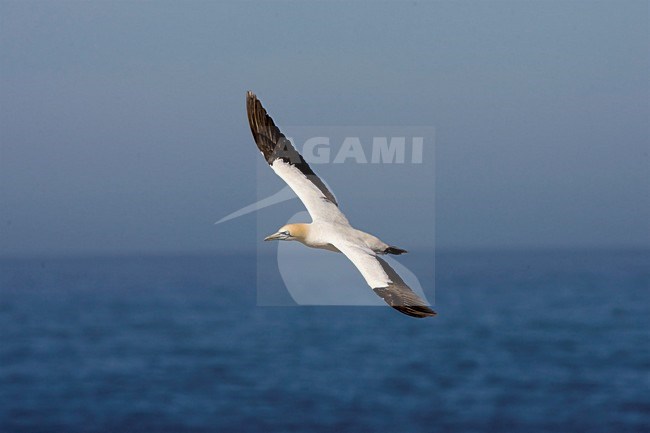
273	237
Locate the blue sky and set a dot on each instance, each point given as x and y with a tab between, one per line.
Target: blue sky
123	126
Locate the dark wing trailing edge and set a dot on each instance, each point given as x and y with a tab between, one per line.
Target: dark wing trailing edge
274	145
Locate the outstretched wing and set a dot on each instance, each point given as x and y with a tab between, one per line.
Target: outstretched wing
287	163
384	281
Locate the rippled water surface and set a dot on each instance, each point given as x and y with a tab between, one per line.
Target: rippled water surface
546	341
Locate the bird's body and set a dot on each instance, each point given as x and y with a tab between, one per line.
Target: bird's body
330	229
315	235
324	235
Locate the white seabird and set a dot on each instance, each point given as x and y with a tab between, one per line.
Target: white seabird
329	229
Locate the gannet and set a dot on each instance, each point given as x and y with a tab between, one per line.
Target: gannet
329	229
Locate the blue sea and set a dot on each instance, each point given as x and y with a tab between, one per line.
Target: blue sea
547	341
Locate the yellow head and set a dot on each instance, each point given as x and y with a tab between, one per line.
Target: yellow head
290	232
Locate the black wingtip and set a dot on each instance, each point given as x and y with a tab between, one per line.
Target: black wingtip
267	136
417	311
413	307
274	145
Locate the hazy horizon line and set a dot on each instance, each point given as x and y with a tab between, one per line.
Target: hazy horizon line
71	255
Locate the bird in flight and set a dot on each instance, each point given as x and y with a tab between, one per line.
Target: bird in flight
329	229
